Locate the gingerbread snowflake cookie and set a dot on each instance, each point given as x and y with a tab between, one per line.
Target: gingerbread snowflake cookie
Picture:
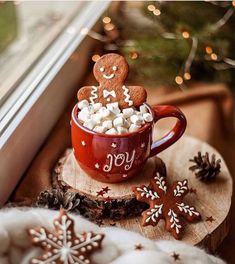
166	202
64	247
111	71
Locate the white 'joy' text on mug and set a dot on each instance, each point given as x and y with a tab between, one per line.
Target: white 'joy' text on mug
121	159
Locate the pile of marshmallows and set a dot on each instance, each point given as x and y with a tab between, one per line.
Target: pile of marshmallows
110	119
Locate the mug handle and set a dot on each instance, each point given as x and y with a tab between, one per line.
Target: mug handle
163	111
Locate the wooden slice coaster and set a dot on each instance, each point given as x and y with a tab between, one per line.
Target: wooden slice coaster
212	200
72	175
103	200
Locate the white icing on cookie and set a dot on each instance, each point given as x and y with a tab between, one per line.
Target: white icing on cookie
108	77
94	94
63	246
107	93
127	96
174	221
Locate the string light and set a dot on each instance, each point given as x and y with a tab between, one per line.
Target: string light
95	57
187	76
208	50
157	12
185	34
214	56
179	80
109	27
151	8
134	55
106	20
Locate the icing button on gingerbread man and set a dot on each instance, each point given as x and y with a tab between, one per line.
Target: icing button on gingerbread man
111	71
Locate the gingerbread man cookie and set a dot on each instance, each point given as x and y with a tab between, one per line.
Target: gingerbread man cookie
111	71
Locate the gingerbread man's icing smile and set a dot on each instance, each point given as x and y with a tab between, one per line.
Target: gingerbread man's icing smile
111	71
110	76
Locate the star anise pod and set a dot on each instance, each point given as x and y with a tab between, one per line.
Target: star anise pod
57	198
205	169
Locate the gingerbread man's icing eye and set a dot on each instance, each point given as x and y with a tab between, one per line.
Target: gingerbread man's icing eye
102	69
114	68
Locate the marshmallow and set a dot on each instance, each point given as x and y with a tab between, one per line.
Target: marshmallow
141	119
133	127
136	119
126	123
89	124
127	112
107	124
111	131
116	111
110	119
104	112
84	114
82	104
122	130
144	109
97	118
89	109
99	129
119	121
120	115
97	106
85	110
103	108
148	117
113	107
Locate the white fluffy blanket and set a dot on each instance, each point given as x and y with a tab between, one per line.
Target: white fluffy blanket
118	245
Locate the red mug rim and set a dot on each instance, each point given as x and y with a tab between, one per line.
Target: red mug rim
75	119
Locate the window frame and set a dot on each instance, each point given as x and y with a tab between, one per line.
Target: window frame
27	125
35	83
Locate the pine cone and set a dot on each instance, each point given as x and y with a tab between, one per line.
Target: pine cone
205	170
57	198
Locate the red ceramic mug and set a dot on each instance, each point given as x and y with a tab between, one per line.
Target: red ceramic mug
115	158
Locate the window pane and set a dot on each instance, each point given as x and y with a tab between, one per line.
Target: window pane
26	30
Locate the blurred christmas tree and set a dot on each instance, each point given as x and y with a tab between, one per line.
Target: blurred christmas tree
179	42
